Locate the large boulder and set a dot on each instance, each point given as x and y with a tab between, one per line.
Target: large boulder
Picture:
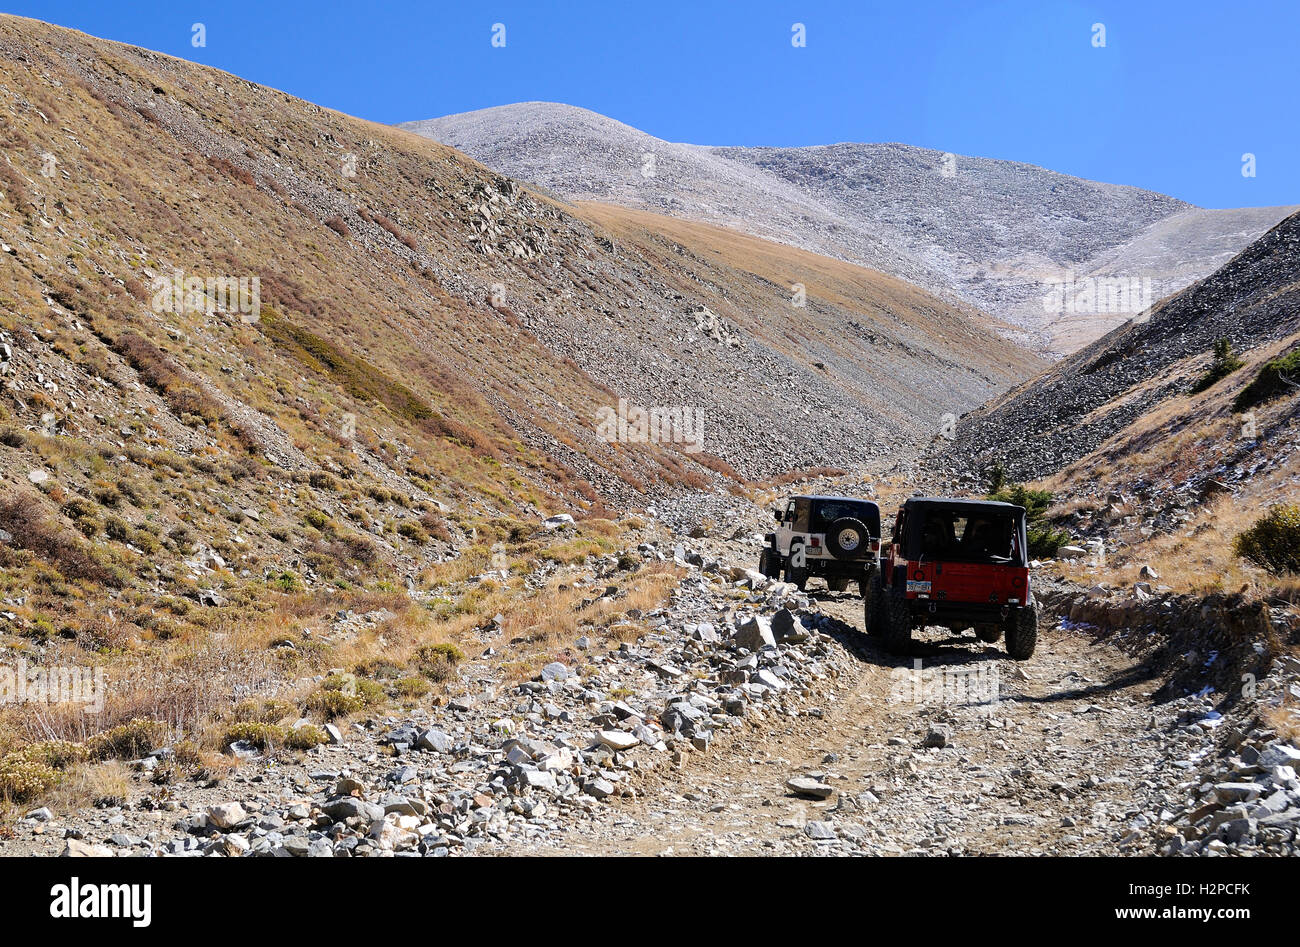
754	634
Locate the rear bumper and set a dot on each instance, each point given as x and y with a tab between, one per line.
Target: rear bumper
942	610
840	568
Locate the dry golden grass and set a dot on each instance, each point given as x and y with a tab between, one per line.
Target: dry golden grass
1183	441
1284	720
1198	559
871	295
543	628
92	784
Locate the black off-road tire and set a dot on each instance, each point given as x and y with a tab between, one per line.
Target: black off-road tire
897	626
989	633
842	525
1022	634
796	577
840	584
769	563
873	614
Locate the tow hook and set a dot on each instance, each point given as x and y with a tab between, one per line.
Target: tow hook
1005	611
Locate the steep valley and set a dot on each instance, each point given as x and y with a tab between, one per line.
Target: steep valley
306	456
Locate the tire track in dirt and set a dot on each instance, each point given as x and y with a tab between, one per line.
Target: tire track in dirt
1049	766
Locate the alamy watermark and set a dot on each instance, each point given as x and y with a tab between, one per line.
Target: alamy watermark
950	685
62	684
180	294
632	424
78	899
1098	295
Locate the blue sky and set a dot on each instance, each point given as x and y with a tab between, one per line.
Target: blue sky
1178	94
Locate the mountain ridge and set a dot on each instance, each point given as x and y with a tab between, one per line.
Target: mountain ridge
888	206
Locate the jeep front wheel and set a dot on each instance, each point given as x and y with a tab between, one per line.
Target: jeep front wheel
838	584
1022	633
798	577
769	563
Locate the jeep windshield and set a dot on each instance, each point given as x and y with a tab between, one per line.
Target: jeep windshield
826	512
974	534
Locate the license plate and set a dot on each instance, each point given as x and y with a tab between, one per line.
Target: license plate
914	586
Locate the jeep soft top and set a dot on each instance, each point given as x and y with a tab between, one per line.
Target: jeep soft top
962	530
822	511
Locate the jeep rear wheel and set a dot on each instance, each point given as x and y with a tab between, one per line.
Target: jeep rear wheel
838	585
989	633
1022	633
873	618
897	625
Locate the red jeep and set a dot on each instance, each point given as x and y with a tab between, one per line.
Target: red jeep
956	563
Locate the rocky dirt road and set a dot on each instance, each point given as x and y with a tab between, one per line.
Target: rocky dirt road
1062	760
747	718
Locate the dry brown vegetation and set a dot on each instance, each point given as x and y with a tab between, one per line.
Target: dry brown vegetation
1181	444
218	486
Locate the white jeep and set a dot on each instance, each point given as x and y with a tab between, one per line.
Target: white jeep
834	538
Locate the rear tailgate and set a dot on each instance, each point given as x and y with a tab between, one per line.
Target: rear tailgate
969	582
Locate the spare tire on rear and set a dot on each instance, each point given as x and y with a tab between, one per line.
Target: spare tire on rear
848	538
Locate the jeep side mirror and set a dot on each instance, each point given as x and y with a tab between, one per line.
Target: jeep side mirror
779	516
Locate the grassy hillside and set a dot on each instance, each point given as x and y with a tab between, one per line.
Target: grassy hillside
206	498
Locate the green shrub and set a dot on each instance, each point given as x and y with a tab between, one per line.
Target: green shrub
1273	542
117	529
1224	364
1045	540
318	520
322	481
41	629
129	741
437	661
108	496
414	532
287	582
181	539
22	780
997	477
412	687
305	737
381	668
370	693
56	754
261	735
446	651
78	509
263	711
1271	381
333	704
